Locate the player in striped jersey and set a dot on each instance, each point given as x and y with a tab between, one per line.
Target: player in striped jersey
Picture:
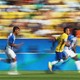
72	39
11	56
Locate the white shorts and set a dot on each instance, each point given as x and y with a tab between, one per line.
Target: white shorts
70	52
10	53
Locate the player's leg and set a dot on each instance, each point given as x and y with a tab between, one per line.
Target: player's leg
5	60
8	60
13	70
11	55
14	64
77	62
74	56
65	57
59	59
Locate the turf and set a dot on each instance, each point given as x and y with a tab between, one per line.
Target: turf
41	75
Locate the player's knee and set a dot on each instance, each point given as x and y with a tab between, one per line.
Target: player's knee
14	59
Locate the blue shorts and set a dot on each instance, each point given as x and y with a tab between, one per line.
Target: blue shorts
60	55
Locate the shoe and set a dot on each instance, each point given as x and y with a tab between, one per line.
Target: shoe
13	73
50	66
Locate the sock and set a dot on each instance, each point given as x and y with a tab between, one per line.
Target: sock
14	66
61	60
54	62
77	64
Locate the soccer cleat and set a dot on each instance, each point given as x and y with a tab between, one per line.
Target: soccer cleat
50	66
13	73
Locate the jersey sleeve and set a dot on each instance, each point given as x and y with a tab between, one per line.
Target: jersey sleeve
73	42
65	37
11	40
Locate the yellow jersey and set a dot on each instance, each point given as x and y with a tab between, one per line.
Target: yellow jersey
61	42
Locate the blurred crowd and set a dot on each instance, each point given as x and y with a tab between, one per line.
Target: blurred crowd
38	17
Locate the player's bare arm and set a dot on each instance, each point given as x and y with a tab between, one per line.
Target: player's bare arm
16	45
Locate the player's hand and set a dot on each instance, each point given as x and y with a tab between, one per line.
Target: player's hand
52	38
20	44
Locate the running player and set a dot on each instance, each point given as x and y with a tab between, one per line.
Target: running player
62	41
72	39
11	56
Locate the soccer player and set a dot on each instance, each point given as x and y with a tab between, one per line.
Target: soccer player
72	39
11	56
62	41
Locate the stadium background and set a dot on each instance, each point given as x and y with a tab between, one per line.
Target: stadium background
32	16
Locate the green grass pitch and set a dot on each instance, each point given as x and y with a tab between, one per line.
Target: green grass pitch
41	75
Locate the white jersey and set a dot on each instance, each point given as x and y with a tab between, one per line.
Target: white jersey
72	41
68	50
11	39
9	49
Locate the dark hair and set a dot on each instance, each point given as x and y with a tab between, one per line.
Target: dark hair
65	29
74	31
15	27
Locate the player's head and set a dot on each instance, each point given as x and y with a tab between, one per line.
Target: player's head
16	30
74	31
67	30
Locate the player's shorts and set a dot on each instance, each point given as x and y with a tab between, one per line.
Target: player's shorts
10	53
60	55
70	52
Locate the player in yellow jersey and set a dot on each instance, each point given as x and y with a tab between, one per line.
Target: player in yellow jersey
62	41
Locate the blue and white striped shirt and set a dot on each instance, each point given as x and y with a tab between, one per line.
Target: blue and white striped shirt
11	39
